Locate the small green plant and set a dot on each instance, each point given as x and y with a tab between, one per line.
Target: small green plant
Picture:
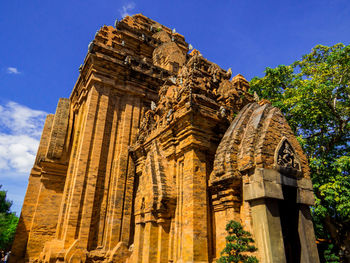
8	222
238	243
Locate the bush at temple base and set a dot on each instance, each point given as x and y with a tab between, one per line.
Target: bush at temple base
238	242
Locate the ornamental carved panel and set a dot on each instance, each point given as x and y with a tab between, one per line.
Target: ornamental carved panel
286	158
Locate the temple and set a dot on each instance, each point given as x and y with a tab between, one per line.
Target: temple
155	151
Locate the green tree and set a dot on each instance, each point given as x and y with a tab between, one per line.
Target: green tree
238	243
8	222
314	95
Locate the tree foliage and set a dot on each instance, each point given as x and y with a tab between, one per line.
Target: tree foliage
238	242
8	222
314	95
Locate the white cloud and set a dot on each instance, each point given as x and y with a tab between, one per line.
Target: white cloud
17	152
126	8
20	130
19	119
12	70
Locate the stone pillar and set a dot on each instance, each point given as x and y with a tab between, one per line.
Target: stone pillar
267	230
309	253
263	191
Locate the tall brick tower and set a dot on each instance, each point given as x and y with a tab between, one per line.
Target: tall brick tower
153	153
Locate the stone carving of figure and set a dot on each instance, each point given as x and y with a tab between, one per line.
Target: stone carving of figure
286	156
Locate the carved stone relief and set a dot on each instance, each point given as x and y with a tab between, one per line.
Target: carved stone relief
286	159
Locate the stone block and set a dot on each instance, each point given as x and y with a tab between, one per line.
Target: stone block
305	183
289	181
264	189
305	196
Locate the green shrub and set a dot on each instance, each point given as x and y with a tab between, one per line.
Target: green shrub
238	242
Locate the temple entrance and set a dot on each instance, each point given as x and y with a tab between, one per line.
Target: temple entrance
289	215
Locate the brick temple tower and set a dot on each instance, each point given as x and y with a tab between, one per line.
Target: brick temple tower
153	153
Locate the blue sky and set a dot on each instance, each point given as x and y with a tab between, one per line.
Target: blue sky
44	42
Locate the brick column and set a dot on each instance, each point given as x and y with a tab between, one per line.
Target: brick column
163	242
43	227
78	190
150	245
118	216
93	172
195	214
